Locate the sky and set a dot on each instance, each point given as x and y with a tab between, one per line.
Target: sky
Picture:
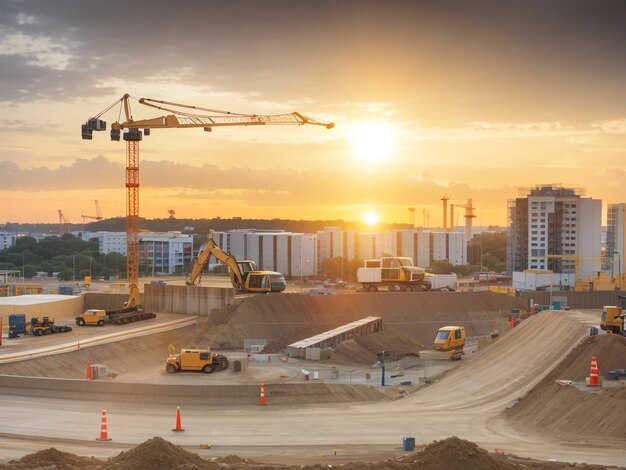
430	99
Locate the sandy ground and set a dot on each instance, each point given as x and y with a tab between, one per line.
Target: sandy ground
467	402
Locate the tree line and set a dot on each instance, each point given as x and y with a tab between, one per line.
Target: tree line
68	256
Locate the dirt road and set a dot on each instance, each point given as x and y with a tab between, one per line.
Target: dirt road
467	402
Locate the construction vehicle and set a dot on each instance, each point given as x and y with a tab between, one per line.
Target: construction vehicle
183	116
99	317
243	274
450	339
395	273
195	360
17	325
442	282
46	326
613	318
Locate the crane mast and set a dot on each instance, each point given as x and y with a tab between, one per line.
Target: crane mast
182	116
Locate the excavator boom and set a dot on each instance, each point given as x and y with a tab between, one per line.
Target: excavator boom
202	261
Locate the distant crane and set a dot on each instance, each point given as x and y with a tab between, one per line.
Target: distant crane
469	215
98	215
64	224
445	200
181	117
412	216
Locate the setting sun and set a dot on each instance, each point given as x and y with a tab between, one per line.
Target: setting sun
371	218
373	141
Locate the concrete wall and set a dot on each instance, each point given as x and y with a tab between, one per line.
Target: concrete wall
104	301
66	309
192	300
576	300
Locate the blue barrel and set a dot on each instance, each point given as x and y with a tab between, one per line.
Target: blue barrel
408	444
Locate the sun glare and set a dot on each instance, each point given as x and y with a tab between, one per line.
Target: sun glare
373	141
371	218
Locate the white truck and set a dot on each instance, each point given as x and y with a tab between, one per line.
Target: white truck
395	273
442	282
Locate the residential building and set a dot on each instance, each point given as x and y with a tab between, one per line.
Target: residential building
7	240
292	254
556	229
615	238
159	253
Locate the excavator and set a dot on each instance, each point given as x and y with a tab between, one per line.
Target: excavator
243	273
132	131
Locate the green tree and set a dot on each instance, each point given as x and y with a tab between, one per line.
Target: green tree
441	266
66	274
30	271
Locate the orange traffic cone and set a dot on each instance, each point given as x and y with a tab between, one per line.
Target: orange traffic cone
593	373
88	375
262	401
179	427
104	435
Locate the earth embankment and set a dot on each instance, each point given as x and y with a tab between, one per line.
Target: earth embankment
570	413
283	319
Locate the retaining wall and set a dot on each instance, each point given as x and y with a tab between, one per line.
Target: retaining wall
576	300
192	300
209	395
104	301
64	309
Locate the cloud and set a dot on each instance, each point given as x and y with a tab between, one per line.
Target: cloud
615	126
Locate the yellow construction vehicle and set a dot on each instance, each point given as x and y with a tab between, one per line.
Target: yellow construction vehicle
450	339
195	360
613	318
396	273
243	274
99	317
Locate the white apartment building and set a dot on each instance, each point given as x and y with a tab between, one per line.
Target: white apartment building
449	246
7	240
159	253
293	254
555	221
615	238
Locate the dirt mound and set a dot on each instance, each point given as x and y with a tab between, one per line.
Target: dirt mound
286	318
567	412
363	350
48	457
157	454
456	454
350	352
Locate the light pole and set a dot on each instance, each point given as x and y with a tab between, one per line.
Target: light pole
74	267
22	267
551	289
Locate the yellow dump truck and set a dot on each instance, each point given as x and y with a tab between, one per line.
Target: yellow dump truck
612	319
195	360
450	339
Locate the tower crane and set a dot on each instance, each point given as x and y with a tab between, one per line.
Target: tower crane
181	116
98	215
64	223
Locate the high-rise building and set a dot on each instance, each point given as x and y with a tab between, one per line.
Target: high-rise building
551	220
615	237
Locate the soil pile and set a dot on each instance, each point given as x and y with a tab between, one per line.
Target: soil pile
363	350
286	318
569	413
455	454
53	458
157	454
